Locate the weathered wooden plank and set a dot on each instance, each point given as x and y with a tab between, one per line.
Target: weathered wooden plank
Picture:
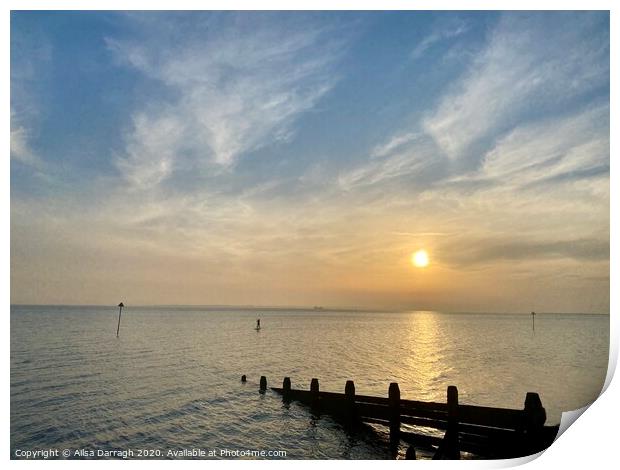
486	431
430	414
361	400
433	442
382	422
295	394
481	449
425	422
405	404
467	430
495	417
424	405
371	399
369	410
420	439
332	396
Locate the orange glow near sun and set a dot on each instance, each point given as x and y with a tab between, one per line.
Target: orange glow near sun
420	259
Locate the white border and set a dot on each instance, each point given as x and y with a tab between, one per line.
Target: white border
591	442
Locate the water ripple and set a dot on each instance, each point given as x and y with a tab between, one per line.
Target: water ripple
171	380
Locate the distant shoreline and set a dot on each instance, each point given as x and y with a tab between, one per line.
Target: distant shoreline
267	308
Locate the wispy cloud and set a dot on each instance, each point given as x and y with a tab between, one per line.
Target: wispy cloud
152	146
234	92
451	29
512	116
397	141
378	171
20	150
520	72
31	55
549	148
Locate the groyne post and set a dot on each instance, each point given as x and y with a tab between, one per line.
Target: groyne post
452	433
535	417
263	383
394	413
349	394
410	454
286	387
314	390
470	428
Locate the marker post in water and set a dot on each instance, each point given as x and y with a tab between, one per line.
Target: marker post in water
533	316
120	309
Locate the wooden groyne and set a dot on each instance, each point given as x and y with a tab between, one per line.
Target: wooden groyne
485	432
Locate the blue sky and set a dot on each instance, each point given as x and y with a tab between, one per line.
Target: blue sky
300	158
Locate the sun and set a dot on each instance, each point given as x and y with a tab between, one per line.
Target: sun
420	259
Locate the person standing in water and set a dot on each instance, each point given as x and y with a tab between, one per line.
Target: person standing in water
258	323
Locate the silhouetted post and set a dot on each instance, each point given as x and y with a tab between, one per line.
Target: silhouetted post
263	383
533	316
349	390
349	393
410	454
535	417
120	309
243	378
394	405
314	390
286	387
452	434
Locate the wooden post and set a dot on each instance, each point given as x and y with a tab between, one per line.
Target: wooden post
286	387
349	393
452	434
263	383
535	417
349	390
449	447
120	309
314	389
394	405
243	378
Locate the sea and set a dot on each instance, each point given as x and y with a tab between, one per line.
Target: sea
170	385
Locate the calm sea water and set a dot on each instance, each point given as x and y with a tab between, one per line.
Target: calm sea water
172	379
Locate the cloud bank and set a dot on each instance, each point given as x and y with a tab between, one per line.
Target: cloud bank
242	173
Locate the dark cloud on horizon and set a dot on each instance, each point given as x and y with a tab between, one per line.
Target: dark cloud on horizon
486	251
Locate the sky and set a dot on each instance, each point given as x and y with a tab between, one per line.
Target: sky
300	158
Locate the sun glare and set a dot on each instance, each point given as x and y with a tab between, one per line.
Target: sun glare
420	259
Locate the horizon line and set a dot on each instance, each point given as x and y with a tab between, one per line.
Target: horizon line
311	308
